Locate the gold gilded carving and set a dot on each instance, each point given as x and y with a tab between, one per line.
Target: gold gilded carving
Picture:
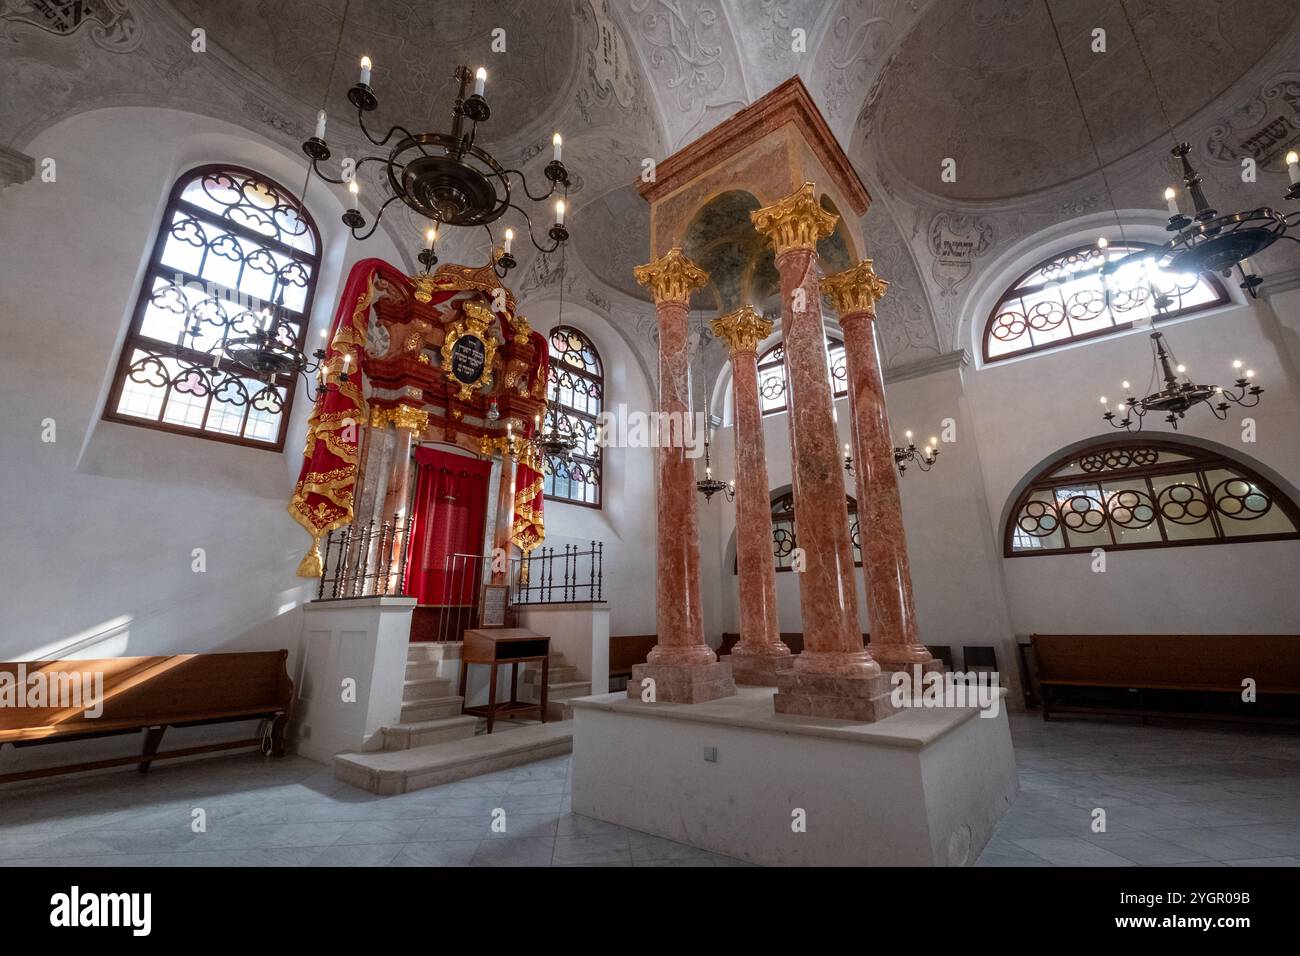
523	331
473	326
856	289
743	329
796	222
400	416
424	286
672	277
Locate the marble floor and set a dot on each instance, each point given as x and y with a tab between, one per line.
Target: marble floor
1173	795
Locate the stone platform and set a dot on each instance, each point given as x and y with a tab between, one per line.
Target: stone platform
924	787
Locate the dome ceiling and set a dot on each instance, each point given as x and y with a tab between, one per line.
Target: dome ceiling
414	47
982	82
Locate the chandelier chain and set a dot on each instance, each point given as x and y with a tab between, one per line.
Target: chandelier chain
1083	113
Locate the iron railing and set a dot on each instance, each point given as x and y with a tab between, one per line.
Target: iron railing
566	576
365	560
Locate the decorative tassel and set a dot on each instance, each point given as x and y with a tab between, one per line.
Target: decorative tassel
312	564
523	570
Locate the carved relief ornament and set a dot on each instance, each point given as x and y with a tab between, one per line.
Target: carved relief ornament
672	277
742	329
856	289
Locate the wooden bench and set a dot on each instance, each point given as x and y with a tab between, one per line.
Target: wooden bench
142	693
625	650
1174	675
791	639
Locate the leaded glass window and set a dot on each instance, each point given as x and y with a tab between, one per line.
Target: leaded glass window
771	375
1143	494
1066	298
575	390
783	531
231	245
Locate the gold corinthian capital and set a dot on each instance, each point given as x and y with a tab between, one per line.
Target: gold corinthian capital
400	416
742	329
796	222
672	277
856	289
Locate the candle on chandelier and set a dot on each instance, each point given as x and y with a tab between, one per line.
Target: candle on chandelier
1293	165
353	188
266	320
537	422
1171	200
556	143
1247	268
347	362
708	471
320	125
510	238
846	450
480	80
217	356
559	212
365	71
430	238
1102	243
934	442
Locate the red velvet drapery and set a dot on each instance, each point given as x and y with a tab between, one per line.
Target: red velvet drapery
450	504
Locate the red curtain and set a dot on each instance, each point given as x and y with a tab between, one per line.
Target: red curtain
450	505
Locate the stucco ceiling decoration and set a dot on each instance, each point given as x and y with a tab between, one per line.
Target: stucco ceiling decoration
982	82
414	47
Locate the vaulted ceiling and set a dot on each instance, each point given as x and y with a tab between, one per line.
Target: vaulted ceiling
903	84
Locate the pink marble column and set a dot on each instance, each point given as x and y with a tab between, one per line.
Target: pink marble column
409	424
683	667
505	515
759	655
894	640
834	676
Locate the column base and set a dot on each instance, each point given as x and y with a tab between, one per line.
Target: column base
684	683
759	670
865	700
915	671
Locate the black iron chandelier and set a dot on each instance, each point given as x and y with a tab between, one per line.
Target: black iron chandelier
1180	393
710	486
924	459
444	176
1208	241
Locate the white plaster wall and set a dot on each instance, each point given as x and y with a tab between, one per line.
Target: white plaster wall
626	521
99	526
1029	409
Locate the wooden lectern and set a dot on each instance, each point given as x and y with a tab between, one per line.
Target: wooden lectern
505	645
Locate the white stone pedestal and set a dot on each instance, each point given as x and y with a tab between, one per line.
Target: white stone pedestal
365	639
922	788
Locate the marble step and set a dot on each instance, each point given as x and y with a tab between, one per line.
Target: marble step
422	651
414	711
424	670
556	674
425	733
563	690
558	695
401	771
425	688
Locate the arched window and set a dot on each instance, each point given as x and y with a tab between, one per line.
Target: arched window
771	375
783	536
232	243
576	391
1066	298
1145	493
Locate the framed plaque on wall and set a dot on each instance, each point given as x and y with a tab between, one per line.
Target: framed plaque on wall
492	605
